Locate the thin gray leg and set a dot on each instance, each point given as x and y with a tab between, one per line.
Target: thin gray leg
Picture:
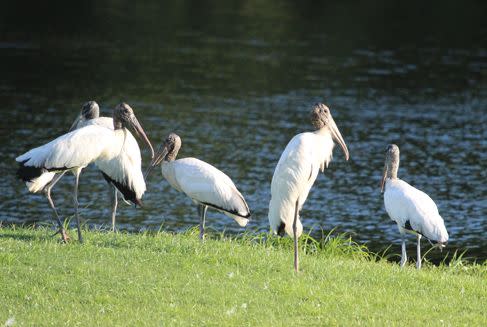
404	257
76	204
114	202
295	235
418	252
202	211
47	191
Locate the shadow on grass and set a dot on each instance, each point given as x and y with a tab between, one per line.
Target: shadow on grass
21	232
20	237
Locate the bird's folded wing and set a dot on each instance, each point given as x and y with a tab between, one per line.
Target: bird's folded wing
75	149
206	184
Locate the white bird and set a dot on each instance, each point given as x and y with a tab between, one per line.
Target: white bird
203	183
297	169
90	113
115	152
413	210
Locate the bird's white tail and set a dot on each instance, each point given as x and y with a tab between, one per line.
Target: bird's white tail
281	217
442	232
37	184
435	230
35	177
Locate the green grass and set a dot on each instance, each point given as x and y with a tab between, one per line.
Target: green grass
174	279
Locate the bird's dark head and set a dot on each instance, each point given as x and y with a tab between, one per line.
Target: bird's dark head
172	142
168	151
123	116
392	156
90	110
321	119
391	164
392	150
320	116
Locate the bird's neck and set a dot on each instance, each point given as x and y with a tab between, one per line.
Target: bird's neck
117	124
171	156
90	115
393	168
173	153
322	131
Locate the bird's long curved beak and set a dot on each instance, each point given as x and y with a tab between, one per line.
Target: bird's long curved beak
335	133
160	155
383	181
75	123
140	133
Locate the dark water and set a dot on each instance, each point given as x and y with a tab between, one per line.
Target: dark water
238	79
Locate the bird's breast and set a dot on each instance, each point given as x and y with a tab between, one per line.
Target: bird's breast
114	146
169	173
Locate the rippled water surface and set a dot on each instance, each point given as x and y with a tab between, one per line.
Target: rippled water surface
237	80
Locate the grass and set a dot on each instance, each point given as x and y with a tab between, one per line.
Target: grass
174	279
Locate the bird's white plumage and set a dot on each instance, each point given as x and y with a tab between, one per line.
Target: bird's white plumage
295	174
39	183
75	149
123	163
405	203
100	121
205	184
116	153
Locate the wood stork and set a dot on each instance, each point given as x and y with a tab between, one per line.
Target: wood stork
90	115
296	171
115	152
204	184
413	210
90	112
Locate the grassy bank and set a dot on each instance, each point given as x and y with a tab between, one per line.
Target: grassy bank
173	279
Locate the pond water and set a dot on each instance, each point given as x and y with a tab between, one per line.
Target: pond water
237	80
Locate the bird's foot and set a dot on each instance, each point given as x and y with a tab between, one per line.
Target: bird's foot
64	235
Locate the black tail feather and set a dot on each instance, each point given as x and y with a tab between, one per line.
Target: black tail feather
233	212
407	226
28	173
281	230
128	194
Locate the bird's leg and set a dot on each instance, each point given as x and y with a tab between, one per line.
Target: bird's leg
47	191
114	201
404	257
295	235
76	204
418	252
202	211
